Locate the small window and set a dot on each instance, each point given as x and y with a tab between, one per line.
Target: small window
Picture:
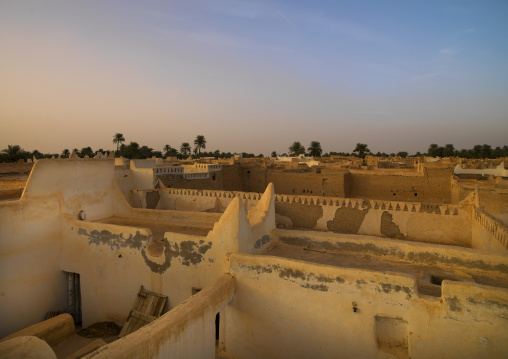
195	290
416	194
248	172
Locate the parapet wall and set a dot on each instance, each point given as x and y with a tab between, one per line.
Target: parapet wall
273	297
187	331
433	223
433	185
16	167
488	232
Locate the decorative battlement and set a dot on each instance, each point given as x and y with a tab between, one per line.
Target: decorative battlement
441	209
492	225
211	193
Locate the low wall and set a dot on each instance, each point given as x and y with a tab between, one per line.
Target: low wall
432	185
453	258
444	224
291	309
52	331
17	167
31	283
11	194
187	331
488	233
12	184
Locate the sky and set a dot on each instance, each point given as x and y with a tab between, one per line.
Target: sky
254	76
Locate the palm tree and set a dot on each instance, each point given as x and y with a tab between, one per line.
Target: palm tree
296	148
199	143
65	153
118	139
13	153
166	150
362	149
315	149
185	149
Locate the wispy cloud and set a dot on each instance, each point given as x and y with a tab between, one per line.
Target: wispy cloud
430	75
449	51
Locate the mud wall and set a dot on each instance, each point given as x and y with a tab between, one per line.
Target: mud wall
290	309
214	181
111	265
231	178
431	185
17	167
187	331
443	224
488	233
307	183
31	283
451	258
83	185
253	178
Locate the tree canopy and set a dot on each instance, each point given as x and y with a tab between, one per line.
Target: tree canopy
118	139
199	143
296	149
315	149
362	149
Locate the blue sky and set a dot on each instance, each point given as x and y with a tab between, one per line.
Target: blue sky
254	76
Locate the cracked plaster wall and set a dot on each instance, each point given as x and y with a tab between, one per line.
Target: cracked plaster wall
276	298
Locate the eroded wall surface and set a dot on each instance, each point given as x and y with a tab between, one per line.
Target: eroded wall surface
444	224
291	309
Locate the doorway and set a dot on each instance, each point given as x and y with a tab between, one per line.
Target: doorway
74	296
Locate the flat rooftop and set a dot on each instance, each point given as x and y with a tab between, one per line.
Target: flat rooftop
158	229
428	277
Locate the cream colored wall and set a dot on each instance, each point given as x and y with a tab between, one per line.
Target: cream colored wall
34	253
142	178
292	309
82	184
399	251
123	177
488	233
31	282
187	331
443	224
111	266
194	261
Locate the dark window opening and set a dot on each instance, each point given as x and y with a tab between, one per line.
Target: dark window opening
395	194
196	290
213	178
217	323
248	172
438	280
416	194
